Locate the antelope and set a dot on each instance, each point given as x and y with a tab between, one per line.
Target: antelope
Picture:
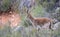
39	21
12	17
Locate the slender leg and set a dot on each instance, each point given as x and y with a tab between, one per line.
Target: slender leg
50	27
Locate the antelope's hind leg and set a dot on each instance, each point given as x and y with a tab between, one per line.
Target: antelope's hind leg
50	26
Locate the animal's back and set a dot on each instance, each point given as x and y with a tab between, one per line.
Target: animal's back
42	20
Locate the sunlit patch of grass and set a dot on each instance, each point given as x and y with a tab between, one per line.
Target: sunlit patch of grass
38	11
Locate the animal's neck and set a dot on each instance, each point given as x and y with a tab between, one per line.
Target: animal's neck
30	17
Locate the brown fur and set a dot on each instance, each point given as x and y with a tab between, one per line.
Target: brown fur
39	21
42	20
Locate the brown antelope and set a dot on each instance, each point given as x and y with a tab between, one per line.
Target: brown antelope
12	17
39	21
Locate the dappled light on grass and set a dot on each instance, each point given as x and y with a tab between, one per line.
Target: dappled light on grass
13	19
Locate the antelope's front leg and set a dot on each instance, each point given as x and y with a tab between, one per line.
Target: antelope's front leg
39	27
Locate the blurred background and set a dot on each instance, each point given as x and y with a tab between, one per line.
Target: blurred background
38	9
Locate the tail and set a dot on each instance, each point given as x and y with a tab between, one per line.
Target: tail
50	27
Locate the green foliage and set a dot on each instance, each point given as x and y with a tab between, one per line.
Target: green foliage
5	5
28	32
5	32
38	11
48	5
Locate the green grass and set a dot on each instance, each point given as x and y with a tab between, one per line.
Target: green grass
28	32
38	11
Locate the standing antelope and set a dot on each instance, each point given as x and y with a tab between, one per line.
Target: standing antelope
39	21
